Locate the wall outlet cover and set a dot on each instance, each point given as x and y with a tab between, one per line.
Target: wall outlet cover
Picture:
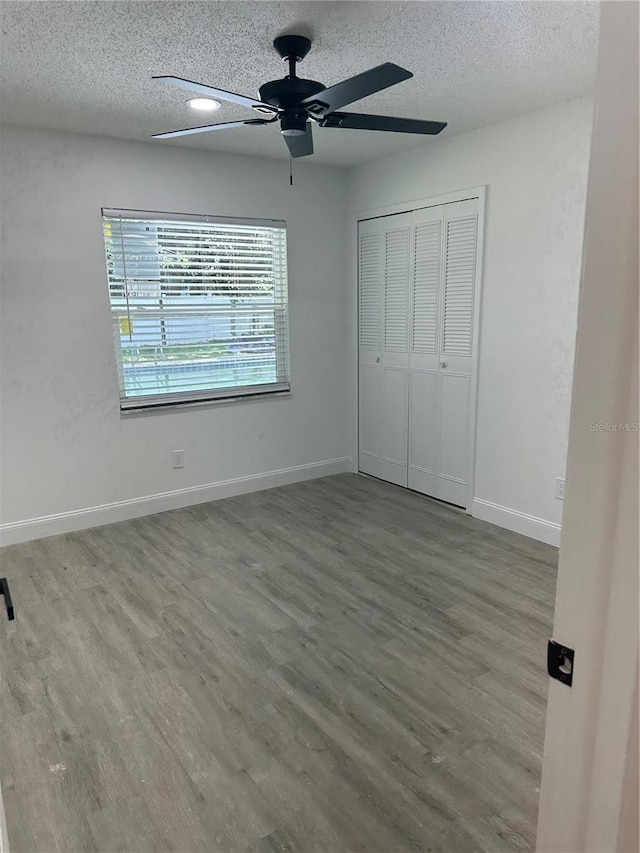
560	488
178	458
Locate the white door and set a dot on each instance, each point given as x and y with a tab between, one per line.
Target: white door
384	266
417	310
443	309
589	796
460	237
427	229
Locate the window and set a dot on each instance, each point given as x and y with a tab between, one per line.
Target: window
199	306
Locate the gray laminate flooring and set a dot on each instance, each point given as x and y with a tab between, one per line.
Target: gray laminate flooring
337	665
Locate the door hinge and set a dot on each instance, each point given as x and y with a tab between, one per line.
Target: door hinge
560	662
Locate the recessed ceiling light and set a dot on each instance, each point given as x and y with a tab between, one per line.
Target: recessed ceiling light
205	105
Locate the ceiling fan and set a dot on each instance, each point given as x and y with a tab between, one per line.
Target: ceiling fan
296	102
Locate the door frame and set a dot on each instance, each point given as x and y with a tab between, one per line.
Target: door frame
479	192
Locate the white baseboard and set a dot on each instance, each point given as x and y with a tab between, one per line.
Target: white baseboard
519	522
95	516
4	838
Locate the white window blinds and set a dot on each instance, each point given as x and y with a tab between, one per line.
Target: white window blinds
199	306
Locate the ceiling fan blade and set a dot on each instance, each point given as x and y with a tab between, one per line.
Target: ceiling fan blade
355	88
209	91
301	146
361	121
222	125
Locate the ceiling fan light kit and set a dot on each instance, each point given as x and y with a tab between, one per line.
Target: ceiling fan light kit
205	105
298	103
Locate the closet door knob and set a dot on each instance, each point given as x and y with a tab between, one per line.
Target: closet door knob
443	363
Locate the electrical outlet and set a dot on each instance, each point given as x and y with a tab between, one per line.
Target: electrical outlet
560	488
178	458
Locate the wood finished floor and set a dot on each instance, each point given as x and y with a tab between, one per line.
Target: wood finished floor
338	665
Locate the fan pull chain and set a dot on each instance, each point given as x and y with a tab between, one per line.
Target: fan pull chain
290	171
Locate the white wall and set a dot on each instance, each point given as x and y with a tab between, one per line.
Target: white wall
65	446
536	171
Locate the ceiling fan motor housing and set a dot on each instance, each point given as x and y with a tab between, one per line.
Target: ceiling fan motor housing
289	92
293	123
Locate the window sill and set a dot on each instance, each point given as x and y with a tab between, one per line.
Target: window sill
164	408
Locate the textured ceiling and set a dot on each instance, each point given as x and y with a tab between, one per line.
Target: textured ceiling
86	66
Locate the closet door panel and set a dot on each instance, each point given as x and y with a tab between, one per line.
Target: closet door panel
426	289
383	428
369	291
370	378
384	265
458	284
396	235
393	427
452	427
369	341
423	431
456	350
395	343
427	251
453	458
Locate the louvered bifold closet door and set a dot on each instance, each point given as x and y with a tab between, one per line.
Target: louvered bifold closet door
425	343
418	303
457	315
383	283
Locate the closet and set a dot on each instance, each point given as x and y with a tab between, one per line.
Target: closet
417	299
